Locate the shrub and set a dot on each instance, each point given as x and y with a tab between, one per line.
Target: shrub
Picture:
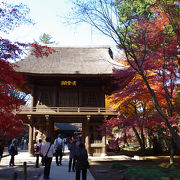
118	166
175	173
145	174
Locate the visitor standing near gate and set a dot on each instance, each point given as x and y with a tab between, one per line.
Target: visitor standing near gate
37	151
22	143
72	149
47	151
59	148
13	151
82	163
78	141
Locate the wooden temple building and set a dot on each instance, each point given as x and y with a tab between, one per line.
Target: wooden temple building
69	86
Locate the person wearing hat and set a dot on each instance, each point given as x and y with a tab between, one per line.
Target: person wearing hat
59	148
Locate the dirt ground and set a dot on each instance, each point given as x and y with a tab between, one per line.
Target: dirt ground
6	172
101	170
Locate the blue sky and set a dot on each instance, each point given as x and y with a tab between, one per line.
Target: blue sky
46	14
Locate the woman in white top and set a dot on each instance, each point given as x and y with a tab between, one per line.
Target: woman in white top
47	149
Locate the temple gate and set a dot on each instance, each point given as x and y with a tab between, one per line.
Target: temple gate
69	86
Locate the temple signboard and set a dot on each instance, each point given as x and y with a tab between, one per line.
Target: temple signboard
68	83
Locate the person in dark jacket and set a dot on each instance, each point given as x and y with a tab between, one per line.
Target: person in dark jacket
1	150
72	149
37	151
13	151
82	164
59	148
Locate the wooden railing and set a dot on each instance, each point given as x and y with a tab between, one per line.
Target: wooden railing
96	141
58	110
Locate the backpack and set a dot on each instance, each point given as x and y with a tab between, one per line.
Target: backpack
58	145
36	148
12	150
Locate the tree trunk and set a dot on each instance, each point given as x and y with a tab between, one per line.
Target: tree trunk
158	108
171	158
139	140
148	140
142	137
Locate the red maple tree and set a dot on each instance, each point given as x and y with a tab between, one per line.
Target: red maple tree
152	56
12	125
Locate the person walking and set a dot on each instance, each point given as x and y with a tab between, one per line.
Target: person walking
1	149
78	141
82	163
22	143
59	148
47	150
25	143
37	151
72	149
13	151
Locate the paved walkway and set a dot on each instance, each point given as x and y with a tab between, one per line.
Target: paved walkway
23	156
57	172
61	172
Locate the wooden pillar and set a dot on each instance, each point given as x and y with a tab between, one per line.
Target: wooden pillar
83	131
104	142
34	133
54	98
51	130
87	135
31	129
47	125
32	96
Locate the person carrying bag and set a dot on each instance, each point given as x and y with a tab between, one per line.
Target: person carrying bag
59	147
44	158
47	151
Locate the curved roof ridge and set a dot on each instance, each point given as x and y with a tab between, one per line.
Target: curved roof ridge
85	47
